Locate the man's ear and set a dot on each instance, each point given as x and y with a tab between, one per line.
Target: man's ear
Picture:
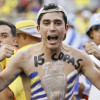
66	28
38	28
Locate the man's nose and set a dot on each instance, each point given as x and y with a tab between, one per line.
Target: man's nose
52	27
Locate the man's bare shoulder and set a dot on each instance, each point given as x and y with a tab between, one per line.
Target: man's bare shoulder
75	52
78	54
34	49
71	49
28	52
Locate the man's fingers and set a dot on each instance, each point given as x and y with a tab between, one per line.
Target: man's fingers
8	48
90	52
8	55
6	51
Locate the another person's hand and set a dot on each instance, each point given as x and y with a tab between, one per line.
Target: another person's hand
92	49
81	88
5	51
80	91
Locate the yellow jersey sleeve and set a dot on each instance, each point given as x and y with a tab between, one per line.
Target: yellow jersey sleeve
17	88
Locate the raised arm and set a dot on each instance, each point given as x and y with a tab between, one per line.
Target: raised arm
90	71
10	72
92	49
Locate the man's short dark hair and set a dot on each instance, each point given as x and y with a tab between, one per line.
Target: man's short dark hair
51	6
12	26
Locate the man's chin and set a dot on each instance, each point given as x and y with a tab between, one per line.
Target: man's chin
52	47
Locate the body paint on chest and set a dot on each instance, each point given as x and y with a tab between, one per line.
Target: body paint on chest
39	60
67	58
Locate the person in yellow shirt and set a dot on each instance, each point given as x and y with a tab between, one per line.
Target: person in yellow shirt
23	38
7	40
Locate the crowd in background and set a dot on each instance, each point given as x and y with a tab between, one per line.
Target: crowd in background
17	10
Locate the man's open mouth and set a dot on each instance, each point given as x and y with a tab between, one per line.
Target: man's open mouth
52	39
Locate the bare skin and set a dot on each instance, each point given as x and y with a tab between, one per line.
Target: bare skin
51	61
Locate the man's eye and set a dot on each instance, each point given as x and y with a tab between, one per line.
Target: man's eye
4	36
58	23
46	23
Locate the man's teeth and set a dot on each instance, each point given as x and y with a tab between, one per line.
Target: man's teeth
52	37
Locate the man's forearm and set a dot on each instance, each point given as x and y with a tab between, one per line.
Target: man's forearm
6	94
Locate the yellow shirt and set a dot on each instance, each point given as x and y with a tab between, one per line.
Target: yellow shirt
16	86
82	2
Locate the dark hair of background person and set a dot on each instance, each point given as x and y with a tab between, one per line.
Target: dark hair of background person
12	27
96	28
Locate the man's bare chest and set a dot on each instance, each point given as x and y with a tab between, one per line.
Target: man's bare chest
54	79
54	76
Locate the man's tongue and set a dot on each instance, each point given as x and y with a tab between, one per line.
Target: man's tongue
52	41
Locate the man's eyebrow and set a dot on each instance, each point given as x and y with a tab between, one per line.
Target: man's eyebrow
57	20
54	20
46	20
4	33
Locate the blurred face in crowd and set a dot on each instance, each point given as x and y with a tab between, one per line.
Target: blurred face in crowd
95	35
6	36
25	39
